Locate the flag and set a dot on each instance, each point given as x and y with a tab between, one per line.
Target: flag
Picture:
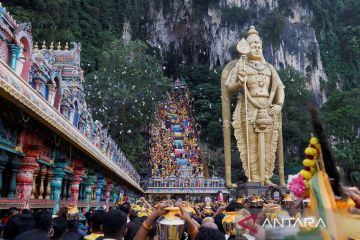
340	224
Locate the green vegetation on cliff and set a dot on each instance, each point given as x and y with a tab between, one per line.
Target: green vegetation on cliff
124	93
94	23
342	114
337	25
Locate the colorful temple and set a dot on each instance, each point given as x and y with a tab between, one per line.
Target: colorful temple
52	152
175	156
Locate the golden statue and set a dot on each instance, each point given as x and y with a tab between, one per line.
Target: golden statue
257	116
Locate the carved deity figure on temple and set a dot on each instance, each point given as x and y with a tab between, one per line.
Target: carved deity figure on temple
257	117
21	60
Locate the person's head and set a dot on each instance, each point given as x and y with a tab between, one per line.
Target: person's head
210	225
131	230
59	226
234	206
198	219
125	207
73	225
72	235
13	211
34	234
97	220
62	212
43	221
218	221
88	216
26	211
18	224
114	224
132	215
255	44
208	219
209	233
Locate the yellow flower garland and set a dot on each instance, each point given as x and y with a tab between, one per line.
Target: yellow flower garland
310	164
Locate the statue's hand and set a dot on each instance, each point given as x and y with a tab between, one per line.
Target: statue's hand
274	109
242	76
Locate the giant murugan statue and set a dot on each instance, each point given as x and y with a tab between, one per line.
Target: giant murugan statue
257	116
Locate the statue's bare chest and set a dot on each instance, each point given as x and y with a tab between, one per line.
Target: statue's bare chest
258	76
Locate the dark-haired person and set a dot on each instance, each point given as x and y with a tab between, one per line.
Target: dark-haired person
206	233
34	234
11	212
114	227
95	222
60	226
18	224
126	208
131	230
26	211
43	221
72	235
218	221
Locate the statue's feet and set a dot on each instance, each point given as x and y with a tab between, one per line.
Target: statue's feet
269	183
254	179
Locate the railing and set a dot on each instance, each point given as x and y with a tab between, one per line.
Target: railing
220	186
13	87
182	182
187	189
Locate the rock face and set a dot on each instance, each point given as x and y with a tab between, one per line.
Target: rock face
206	31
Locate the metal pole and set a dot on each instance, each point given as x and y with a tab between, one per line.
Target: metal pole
244	57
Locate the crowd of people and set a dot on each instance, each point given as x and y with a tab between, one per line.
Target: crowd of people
125	221
209	219
173	141
202	220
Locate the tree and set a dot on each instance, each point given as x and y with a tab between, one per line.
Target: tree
342	120
297	127
123	93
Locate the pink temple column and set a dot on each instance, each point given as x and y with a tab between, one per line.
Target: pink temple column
37	85
51	96
24	179
75	185
107	193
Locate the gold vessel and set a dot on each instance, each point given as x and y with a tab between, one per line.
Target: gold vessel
231	222
170	226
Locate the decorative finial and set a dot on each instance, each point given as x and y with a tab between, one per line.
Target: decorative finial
59	46
66	46
252	31
52	45
44	45
36	47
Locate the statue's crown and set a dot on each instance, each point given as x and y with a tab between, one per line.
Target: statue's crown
253	35
252	31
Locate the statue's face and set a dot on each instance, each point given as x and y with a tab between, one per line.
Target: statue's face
255	50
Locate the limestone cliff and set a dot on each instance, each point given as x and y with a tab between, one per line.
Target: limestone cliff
206	31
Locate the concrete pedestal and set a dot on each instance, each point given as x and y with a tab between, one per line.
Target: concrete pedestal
256	188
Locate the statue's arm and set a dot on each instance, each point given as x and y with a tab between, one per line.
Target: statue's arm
232	82
280	93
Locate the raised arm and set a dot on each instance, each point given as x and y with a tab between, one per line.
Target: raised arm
147	224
